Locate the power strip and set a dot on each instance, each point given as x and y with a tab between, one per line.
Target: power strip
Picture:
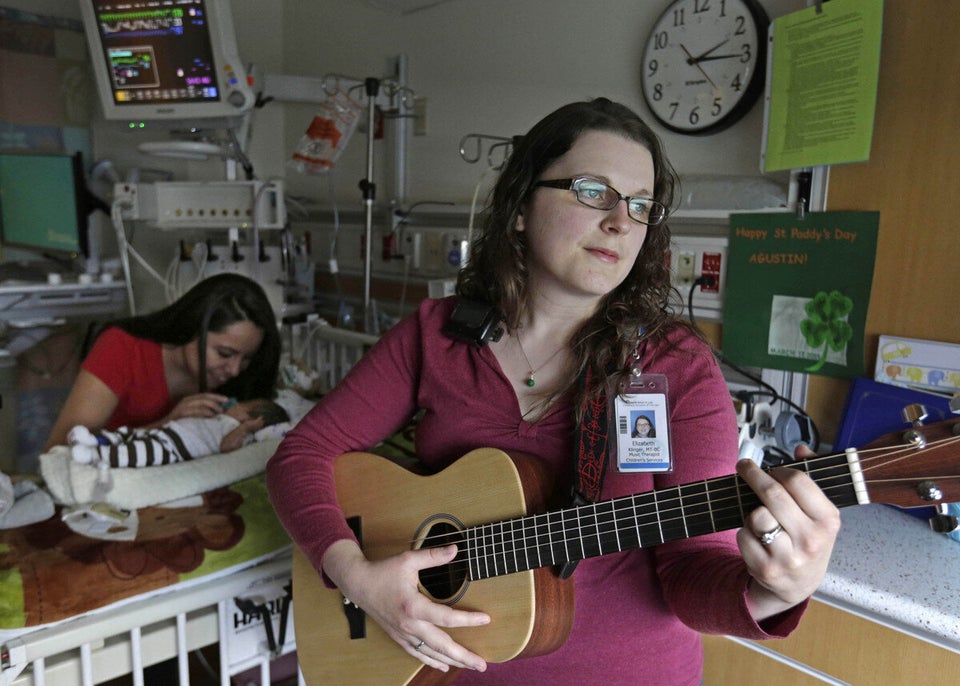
203	204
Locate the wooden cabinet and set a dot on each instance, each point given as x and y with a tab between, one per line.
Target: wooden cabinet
912	180
834	647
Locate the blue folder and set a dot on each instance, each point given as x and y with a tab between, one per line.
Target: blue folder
873	409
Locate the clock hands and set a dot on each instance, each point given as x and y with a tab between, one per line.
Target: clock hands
695	62
703	55
717	57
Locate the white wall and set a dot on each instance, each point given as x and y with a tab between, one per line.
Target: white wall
495	67
484	66
488	66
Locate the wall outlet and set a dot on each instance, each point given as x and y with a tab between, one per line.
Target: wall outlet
686	267
700	263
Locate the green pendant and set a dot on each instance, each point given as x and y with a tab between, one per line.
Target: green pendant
531	383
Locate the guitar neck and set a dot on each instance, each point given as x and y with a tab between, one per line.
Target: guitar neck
635	521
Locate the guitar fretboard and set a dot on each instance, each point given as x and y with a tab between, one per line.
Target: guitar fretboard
635	521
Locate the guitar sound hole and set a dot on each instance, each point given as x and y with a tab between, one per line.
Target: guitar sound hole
447	583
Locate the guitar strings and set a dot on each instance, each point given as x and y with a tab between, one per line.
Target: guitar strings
737	495
729	499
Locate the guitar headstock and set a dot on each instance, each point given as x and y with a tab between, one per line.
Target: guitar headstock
914	467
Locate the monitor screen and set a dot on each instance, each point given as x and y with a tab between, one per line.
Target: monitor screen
43	203
166	60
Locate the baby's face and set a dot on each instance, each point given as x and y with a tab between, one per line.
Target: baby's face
239	411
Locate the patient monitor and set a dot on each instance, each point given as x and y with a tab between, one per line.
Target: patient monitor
174	63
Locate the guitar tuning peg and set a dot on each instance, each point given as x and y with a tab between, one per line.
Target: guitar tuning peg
914	414
942	522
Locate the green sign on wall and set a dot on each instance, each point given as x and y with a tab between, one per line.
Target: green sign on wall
798	290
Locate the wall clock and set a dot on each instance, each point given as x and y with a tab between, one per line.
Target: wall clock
703	63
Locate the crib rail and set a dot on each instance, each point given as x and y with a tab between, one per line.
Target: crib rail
104	645
327	350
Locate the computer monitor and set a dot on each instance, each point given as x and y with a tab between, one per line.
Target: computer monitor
44	204
170	62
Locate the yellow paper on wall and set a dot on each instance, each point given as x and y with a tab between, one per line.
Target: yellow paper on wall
823	85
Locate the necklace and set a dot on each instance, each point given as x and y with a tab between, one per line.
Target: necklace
530	381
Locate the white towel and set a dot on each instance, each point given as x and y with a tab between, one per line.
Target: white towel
72	483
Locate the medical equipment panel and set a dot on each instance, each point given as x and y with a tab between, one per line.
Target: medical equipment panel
204	204
166	61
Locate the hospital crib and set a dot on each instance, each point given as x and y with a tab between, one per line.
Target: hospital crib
328	351
228	610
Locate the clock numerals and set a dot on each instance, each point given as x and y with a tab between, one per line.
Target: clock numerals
741	25
661	40
694	115
703	63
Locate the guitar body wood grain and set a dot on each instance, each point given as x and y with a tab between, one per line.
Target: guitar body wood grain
531	611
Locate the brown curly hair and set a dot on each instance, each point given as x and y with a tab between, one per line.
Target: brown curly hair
497	270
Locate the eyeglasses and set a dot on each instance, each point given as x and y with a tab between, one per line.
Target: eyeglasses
600	196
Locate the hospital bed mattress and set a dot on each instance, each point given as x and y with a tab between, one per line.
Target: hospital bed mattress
49	573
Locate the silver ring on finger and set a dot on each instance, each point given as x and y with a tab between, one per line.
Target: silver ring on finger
418	646
768	537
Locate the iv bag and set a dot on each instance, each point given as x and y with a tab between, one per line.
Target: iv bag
327	136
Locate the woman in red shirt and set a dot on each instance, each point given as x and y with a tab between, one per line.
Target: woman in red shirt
219	340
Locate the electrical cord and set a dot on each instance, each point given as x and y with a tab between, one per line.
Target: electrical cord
749	396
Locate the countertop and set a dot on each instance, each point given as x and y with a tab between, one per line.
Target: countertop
890	567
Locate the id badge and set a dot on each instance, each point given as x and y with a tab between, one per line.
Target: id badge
641	422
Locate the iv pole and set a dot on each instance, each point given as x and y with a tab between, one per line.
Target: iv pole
314	90
369	190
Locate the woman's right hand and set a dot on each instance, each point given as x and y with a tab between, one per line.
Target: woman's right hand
387	590
198	405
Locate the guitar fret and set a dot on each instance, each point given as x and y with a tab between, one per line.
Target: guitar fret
726	490
514	542
616	527
486	551
589	531
636	521
706	491
558	542
603	517
683	515
648	526
628	536
570	521
503	550
656	506
542	522
698	515
672	524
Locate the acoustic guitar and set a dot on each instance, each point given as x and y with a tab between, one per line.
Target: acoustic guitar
490	504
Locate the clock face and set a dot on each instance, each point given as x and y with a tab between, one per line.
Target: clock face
703	63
